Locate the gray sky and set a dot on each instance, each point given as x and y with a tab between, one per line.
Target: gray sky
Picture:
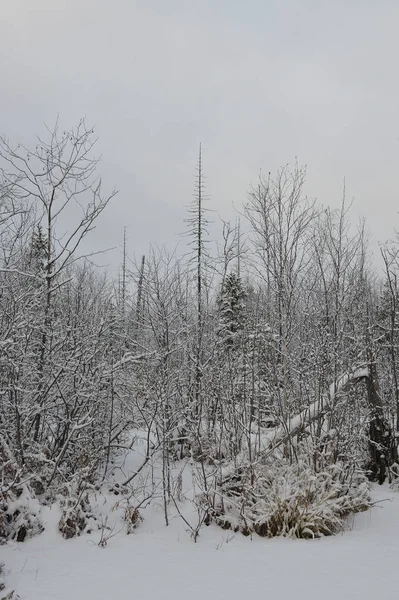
258	82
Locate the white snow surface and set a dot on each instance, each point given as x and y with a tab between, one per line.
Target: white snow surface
163	562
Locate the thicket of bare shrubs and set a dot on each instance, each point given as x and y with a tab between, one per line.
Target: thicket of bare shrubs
227	362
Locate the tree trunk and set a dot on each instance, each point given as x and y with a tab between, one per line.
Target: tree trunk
382	446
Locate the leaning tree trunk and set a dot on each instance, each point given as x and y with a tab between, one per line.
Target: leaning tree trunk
383	453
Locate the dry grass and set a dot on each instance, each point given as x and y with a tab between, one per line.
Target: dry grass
290	500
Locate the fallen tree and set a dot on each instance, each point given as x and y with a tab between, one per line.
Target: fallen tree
383	453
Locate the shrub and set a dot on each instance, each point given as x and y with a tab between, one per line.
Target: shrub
76	516
283	499
19	514
5	593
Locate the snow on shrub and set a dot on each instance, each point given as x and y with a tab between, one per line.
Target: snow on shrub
292	500
77	515
132	518
5	593
20	514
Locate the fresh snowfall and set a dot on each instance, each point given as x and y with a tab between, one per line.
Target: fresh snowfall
220	422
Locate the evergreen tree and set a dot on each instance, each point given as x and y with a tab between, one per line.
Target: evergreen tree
232	309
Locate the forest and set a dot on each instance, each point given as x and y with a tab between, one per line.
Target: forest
260	367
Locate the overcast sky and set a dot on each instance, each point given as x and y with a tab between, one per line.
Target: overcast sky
258	82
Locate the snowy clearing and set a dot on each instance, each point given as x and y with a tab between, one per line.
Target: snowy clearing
156	561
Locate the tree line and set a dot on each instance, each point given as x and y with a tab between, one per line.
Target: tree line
281	345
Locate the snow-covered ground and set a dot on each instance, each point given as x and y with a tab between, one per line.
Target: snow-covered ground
158	562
